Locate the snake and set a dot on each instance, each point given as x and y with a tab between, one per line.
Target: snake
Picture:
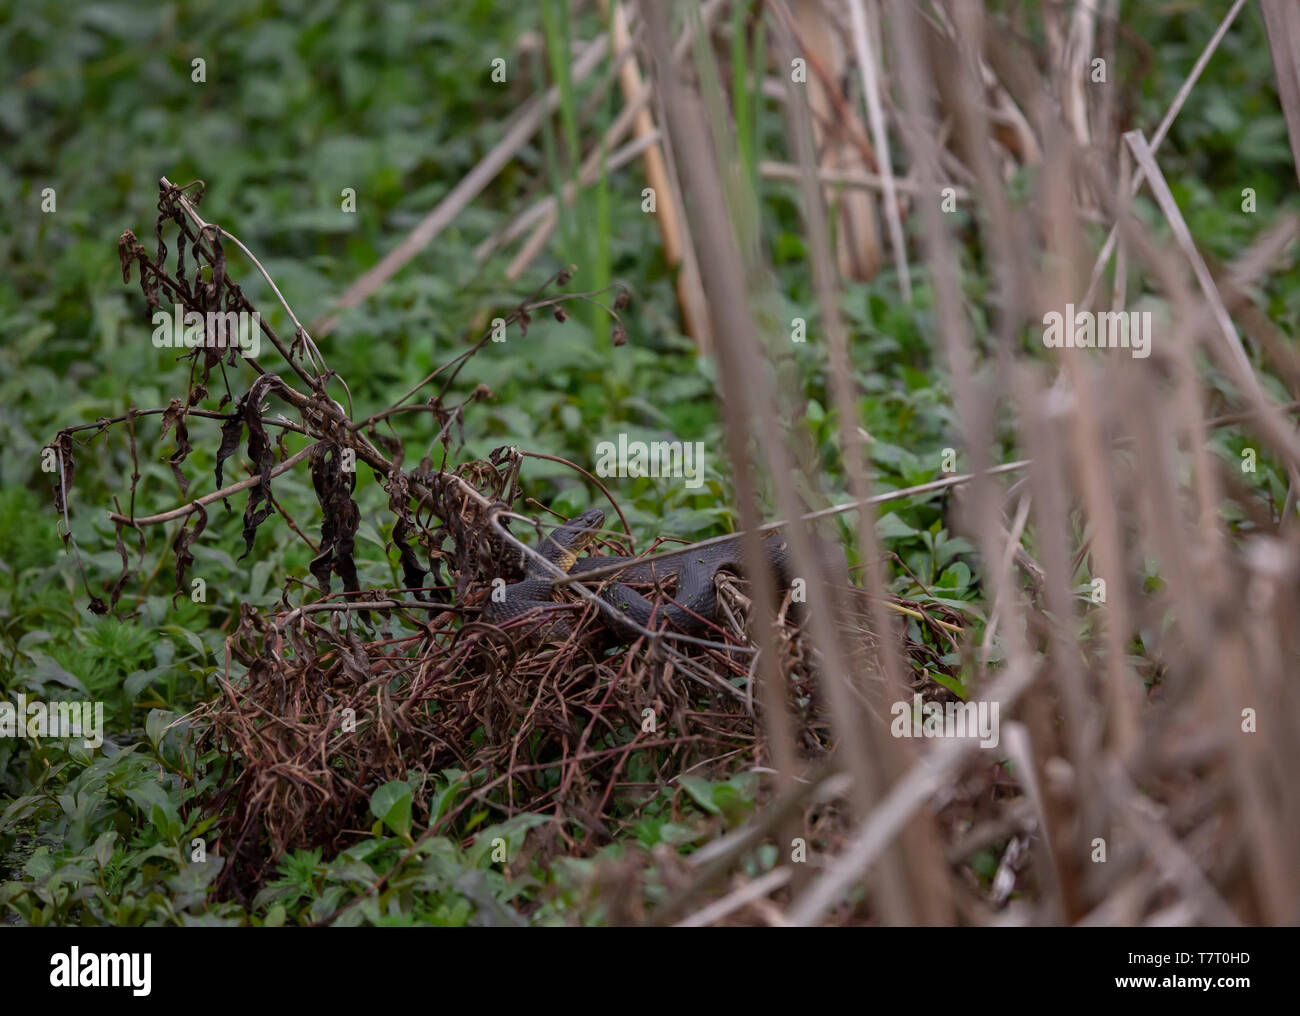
696	597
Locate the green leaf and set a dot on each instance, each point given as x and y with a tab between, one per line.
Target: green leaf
952	684
103	848
155	725
391	804
195	642
956	577
702	791
141	679
891	527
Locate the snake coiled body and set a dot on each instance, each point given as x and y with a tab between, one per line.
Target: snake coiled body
695	595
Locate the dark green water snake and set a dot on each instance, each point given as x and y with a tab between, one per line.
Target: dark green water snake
696	598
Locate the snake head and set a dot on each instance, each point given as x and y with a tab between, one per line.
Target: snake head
563	546
583	528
